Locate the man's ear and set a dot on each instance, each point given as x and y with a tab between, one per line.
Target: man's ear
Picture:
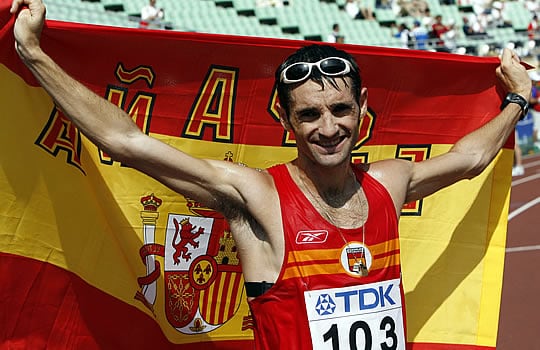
363	102
283	117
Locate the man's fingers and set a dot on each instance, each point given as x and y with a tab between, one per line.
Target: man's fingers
506	57
16	4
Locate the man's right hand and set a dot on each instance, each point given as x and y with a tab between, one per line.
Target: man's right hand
28	26
513	75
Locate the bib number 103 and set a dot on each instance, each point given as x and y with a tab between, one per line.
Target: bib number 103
360	336
365	317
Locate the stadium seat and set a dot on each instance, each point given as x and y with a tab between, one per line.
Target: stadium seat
312	19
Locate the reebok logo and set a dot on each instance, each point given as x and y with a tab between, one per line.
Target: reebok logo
316	236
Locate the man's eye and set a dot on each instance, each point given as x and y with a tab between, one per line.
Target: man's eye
310	115
342	109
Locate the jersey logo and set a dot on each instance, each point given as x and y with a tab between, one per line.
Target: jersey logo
325	305
317	236
353	255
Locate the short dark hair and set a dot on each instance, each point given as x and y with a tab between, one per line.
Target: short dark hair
310	54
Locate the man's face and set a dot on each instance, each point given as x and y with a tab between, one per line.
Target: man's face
325	121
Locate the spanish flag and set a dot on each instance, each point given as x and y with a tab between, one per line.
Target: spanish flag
94	255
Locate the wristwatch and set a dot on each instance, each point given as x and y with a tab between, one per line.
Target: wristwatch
518	99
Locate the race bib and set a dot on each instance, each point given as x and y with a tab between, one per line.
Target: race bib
364	317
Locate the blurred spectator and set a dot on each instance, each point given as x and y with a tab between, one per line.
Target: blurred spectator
414	8
526	133
482	12
427	20
404	35
497	8
437	30
449	37
467	28
420	36
383	4
532	28
470	29
333	37
532	34
517	169
151	15
356	10
268	3
534	104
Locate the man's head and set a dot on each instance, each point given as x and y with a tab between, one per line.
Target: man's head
302	61
322	103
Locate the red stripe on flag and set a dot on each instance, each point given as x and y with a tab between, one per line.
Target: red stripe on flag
45	307
223	296
234	296
215	298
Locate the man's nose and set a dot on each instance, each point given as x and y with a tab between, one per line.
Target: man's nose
328	126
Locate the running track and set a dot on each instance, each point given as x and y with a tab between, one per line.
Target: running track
519	323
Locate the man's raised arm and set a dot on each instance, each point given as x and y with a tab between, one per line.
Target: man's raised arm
113	130
103	123
472	154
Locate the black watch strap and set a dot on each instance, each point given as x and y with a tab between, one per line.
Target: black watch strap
512	97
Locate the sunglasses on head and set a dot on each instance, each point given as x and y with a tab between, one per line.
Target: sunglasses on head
330	66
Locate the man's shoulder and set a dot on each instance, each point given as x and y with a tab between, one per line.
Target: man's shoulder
388	168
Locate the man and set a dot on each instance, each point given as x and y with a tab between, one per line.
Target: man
437	30
333	37
420	36
404	35
351	210
152	15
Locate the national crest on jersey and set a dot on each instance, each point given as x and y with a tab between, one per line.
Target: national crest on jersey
353	255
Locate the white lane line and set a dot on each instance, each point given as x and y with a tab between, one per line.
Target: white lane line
531	164
523	249
525	179
523	208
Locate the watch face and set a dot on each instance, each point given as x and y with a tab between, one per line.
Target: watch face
519	100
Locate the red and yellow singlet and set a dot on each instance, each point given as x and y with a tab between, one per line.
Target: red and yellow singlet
320	300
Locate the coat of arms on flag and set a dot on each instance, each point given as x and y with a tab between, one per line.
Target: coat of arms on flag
203	282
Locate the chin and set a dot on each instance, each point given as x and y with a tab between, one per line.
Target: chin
332	160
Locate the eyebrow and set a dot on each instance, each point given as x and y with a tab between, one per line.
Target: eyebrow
307	110
342	104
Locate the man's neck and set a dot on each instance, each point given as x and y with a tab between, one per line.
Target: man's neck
334	193
335	185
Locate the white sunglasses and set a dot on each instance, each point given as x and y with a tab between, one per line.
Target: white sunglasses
330	66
